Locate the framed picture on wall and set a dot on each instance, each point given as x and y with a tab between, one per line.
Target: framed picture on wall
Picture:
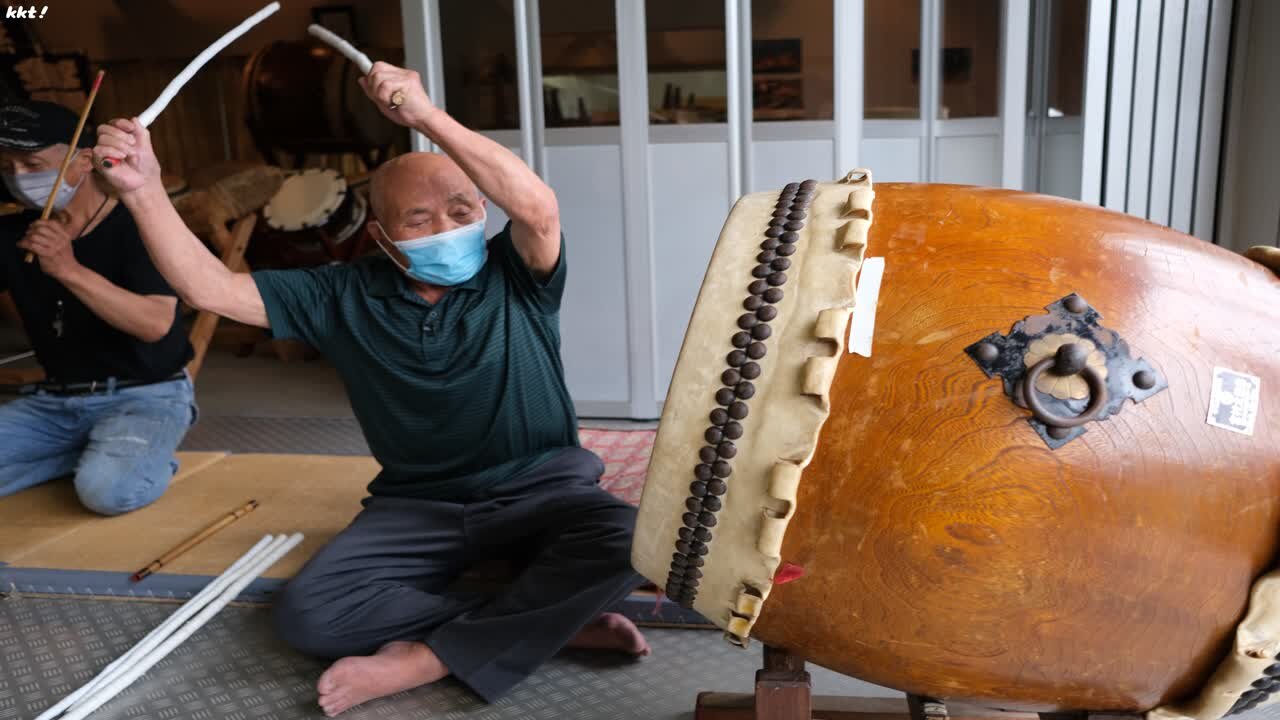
338	19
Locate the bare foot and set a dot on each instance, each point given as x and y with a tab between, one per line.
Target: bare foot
612	631
396	667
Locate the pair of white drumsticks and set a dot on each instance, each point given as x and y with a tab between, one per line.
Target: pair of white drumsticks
174	630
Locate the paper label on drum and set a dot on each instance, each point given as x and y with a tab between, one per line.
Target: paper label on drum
1233	402
863	326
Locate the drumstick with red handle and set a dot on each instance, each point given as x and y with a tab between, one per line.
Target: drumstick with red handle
361	60
71	153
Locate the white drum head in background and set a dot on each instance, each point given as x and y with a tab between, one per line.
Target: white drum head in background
306	200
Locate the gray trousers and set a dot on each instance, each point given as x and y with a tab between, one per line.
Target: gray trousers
388	575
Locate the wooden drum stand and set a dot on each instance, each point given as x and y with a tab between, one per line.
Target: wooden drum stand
784	692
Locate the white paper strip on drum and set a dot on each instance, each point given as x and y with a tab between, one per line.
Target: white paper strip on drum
361	60
863	326
149	115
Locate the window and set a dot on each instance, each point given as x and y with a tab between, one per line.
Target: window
793	59
685	48
478	45
579	63
1066	57
970	62
891	84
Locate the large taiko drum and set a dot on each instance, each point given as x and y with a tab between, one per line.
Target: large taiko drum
980	445
303	98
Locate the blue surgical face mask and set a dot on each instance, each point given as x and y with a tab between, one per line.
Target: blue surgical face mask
447	258
32	189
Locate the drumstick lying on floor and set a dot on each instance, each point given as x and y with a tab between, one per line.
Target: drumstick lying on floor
361	60
200	537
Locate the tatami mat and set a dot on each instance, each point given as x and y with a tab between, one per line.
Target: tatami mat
44	515
314	495
49	545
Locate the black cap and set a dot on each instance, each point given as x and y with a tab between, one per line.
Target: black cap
32	125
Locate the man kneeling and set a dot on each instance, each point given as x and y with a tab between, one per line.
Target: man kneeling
116	401
449	349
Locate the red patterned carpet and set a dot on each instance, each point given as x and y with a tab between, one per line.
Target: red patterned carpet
626	457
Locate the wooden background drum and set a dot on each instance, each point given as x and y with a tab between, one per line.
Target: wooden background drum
303	98
946	549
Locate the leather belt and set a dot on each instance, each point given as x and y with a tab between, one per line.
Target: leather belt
95	386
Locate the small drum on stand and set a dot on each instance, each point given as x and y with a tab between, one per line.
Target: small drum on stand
314	219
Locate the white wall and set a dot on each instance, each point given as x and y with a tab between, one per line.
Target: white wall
689	194
593	316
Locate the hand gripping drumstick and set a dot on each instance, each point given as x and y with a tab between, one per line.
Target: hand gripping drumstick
361	60
149	115
71	153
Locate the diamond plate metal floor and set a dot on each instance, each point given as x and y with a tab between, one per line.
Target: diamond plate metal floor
234	668
295	435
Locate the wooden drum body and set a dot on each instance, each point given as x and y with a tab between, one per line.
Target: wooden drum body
303	98
934	536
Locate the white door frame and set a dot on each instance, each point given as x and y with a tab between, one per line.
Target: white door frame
633	111
1097	60
1016	16
850	50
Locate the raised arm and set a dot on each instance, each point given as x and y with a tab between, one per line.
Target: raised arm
198	277
500	175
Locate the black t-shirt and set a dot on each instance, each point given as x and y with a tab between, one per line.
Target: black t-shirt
90	349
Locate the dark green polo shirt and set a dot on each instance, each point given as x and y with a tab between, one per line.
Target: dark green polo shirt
453	398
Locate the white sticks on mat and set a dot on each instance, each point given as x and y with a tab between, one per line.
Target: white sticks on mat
162	631
174	630
149	115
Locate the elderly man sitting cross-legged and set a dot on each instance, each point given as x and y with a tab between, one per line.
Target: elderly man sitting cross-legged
449	349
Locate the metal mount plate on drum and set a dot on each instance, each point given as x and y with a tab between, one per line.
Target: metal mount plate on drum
1066	368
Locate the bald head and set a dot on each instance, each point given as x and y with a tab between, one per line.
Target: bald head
422	193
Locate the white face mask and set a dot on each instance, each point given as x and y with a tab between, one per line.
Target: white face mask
32	189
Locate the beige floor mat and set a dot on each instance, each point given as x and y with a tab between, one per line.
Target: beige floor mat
316	495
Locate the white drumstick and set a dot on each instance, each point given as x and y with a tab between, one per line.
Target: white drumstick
149	115
361	60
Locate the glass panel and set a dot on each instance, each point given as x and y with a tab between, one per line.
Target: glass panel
793	59
478	45
970	63
686	61
579	63
891	83
1056	99
1066	58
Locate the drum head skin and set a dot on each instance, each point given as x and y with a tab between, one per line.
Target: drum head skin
306	200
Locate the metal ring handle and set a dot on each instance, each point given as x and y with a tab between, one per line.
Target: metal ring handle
1097	397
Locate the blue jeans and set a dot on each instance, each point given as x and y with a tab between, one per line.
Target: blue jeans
119	443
